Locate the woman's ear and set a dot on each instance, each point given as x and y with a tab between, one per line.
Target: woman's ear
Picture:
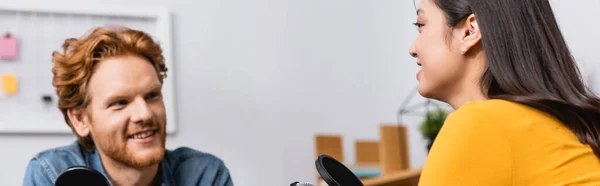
470	34
79	121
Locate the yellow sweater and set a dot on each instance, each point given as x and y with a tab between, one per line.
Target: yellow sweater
496	142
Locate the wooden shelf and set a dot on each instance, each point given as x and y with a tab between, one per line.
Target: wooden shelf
386	159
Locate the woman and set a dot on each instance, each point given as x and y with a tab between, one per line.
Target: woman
523	114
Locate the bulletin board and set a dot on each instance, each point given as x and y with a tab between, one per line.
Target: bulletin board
28	36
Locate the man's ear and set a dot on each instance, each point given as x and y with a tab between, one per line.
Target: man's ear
470	34
79	121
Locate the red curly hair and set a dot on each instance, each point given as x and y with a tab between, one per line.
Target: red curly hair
73	67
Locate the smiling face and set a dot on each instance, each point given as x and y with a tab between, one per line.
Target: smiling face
438	52
126	115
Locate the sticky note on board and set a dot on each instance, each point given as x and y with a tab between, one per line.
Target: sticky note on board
8	47
10	84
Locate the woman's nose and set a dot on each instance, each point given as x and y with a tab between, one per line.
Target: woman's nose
412	51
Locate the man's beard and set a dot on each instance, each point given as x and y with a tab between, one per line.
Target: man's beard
119	152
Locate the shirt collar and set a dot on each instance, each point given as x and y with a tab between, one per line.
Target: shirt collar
95	163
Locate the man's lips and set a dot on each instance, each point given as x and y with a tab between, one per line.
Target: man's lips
142	134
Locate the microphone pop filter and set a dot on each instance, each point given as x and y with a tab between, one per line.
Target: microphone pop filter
334	173
79	175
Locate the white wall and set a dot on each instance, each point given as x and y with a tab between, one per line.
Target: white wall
279	71
580	26
346	70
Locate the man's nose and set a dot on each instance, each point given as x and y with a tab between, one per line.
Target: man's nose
141	112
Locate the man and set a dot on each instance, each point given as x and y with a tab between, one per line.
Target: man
109	88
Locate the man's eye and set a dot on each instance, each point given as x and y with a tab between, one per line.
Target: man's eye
152	95
119	103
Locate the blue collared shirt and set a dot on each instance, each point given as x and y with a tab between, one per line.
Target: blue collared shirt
180	167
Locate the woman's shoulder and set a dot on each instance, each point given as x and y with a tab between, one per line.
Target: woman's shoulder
494	105
507	116
500	110
511	118
532	139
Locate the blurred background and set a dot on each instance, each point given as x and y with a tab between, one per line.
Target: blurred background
255	81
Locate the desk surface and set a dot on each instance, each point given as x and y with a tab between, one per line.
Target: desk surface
408	178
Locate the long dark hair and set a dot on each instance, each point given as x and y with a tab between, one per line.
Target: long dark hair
529	61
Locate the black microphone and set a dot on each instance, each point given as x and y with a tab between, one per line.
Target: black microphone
301	184
334	173
80	175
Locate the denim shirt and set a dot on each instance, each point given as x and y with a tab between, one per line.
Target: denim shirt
180	167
